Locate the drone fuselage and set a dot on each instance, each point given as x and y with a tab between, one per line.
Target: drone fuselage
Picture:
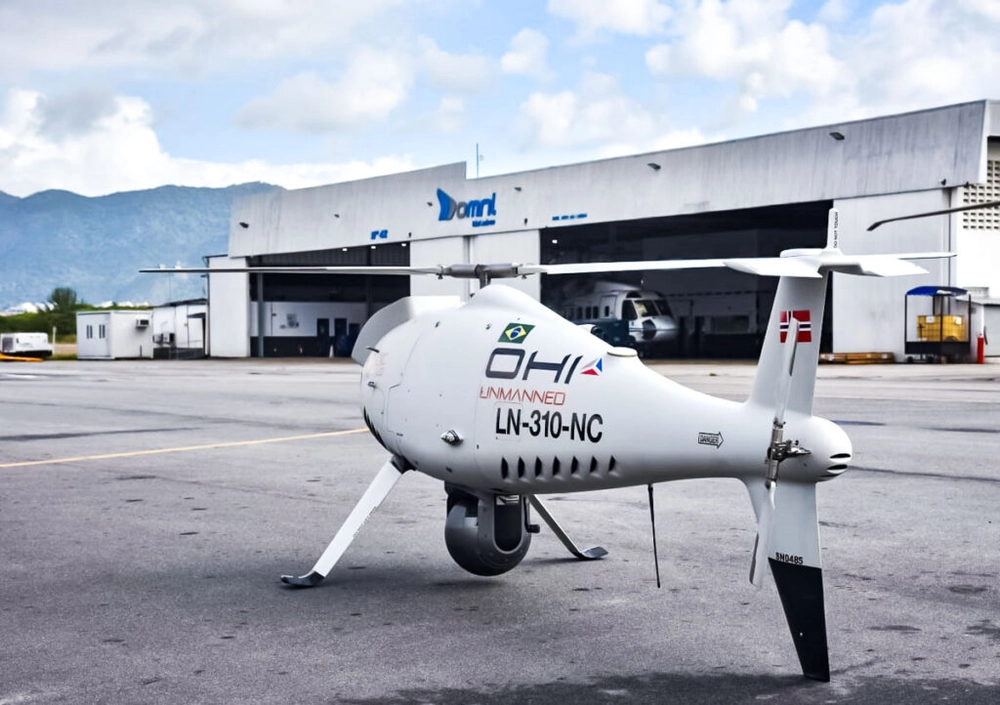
502	395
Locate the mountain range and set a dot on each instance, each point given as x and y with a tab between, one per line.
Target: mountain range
96	245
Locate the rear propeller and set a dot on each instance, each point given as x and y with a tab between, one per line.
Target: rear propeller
778	451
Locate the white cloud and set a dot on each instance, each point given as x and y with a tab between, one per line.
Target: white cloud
904	55
193	36
754	45
119	151
527	54
598	115
372	86
914	55
638	17
834	11
457	73
450	114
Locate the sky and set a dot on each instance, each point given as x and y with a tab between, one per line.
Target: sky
119	95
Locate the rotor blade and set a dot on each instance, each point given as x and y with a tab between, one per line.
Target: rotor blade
630	266
383	270
975	206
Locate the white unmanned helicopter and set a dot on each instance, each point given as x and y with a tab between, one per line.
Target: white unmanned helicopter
504	400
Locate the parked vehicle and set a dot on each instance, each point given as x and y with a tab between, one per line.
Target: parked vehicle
25	345
651	325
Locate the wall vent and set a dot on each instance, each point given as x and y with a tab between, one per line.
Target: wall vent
986	218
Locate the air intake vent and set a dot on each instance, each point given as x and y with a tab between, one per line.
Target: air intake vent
985	218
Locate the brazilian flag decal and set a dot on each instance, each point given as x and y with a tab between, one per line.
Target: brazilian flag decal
515	333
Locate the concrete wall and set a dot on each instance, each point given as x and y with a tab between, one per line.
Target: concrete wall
868	312
229	310
875	169
297	319
445	251
979	247
911	152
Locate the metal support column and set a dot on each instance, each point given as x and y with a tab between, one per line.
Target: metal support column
260	314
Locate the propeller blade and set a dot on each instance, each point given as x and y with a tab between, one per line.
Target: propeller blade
765	514
787	369
761	545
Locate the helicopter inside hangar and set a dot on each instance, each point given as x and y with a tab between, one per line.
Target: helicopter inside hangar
721	315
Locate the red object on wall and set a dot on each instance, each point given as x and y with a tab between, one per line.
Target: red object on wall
981	349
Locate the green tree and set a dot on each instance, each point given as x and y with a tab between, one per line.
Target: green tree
64	299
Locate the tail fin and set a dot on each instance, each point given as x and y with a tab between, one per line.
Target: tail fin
802	295
804	300
798	575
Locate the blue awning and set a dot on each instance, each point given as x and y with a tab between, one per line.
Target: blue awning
936	291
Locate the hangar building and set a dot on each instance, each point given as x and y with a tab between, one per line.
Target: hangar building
746	197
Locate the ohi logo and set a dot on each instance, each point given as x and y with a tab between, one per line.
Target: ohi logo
450	208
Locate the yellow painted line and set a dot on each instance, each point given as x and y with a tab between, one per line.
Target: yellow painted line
18	358
182	449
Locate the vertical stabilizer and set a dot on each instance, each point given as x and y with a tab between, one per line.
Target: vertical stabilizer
796	566
802	299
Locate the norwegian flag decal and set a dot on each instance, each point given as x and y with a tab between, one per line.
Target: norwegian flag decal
805	325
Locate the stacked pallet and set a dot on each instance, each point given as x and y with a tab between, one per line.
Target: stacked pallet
858	358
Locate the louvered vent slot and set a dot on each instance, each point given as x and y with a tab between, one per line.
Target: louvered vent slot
985	218
520	468
538	467
504	469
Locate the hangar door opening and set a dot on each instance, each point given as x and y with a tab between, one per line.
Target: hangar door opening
319	315
716	313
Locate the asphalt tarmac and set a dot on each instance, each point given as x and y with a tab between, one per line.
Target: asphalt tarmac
148	508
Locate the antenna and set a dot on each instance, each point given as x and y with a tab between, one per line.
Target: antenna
975	206
652	523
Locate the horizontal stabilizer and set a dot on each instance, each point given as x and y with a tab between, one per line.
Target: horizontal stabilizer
776	267
875	266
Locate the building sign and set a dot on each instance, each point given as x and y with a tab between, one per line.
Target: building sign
481	211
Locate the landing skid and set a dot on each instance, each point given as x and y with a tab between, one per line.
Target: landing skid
377	491
588	554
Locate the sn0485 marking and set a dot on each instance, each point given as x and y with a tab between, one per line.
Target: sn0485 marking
788	558
510	421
